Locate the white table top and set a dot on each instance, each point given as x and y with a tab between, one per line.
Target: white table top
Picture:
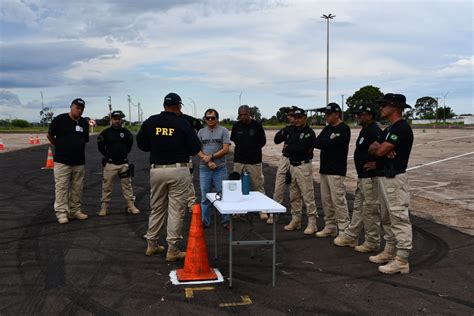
254	202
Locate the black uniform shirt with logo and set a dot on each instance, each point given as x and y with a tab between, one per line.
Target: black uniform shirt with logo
299	144
333	141
115	144
249	140
282	135
70	139
400	135
168	138
367	136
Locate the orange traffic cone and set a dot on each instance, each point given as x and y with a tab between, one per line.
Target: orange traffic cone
2	147
31	142
50	160
37	140
196	263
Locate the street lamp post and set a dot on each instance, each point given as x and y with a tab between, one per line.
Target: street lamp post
129	111
342	106
240	98
194	107
328	17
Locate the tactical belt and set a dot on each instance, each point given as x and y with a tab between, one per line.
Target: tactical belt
174	165
299	163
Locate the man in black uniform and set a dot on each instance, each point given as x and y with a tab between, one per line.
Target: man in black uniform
366	212
69	133
196	125
393	149
115	143
299	149
333	141
170	141
249	138
283	169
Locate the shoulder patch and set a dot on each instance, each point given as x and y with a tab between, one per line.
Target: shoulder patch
393	137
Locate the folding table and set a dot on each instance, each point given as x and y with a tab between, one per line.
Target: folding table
254	202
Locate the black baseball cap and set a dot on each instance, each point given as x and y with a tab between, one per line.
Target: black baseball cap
290	109
299	112
117	113
172	99
79	102
365	108
393	99
330	108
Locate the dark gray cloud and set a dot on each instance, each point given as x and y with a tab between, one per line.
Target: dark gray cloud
28	65
8	98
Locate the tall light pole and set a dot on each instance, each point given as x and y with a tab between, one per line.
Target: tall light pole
328	17
110	108
436	112
444	106
240	98
138	113
129	111
194	107
342	105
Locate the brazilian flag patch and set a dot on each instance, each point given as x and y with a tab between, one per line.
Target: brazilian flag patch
307	135
393	137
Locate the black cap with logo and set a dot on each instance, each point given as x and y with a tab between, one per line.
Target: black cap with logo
79	102
330	108
365	108
117	114
172	99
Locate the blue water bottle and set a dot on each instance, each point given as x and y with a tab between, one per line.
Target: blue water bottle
245	178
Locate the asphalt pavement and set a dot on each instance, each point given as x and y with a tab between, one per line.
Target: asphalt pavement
98	266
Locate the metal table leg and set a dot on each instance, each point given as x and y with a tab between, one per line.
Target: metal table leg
215	233
230	251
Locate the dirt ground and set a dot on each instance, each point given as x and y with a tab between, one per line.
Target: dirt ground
98	266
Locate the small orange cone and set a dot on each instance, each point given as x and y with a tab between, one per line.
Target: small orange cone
2	147
196	262
31	142
50	160
37	140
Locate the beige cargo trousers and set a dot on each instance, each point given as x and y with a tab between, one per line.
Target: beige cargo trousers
69	184
109	174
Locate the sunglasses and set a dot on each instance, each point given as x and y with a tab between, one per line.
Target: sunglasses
210	118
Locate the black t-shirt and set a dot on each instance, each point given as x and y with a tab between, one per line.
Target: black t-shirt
168	138
299	143
71	138
115	143
333	141
367	136
400	135
195	123
249	140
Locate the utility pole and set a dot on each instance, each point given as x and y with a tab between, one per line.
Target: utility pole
129	111
444	106
194	107
342	106
110	108
436	112
42	107
240	98
328	17
139	113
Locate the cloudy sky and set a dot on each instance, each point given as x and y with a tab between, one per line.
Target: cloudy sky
209	52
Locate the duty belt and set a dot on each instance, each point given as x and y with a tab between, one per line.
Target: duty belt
299	163
173	165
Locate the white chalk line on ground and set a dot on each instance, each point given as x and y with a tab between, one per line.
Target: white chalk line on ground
438	161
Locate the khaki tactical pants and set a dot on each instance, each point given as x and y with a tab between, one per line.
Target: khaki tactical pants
256	175
302	186
280	178
394	201
69	184
110	172
333	198
366	212
169	188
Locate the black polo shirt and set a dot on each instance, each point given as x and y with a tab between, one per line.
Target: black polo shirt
249	140
333	141
400	135
70	139
115	143
367	136
299	143
168	138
